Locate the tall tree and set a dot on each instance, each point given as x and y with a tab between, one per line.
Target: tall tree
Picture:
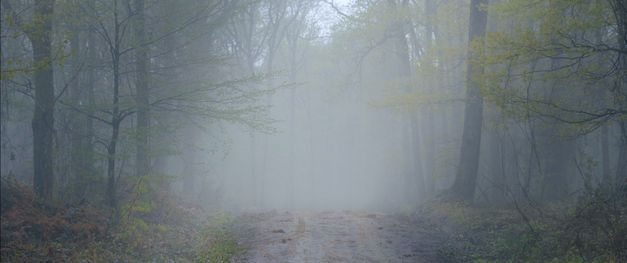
429	134
43	120
399	29
143	93
619	7
463	188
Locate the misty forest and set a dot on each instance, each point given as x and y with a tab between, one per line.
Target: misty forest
313	131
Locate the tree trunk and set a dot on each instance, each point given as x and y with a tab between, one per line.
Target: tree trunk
43	119
465	180
404	70
621	170
620	10
293	46
77	122
605	156
430	134
87	144
113	141
557	153
143	93
111	182
115	114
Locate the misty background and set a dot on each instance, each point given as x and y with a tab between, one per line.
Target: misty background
313	105
313	130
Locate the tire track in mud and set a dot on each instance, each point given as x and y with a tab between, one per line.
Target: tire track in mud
336	237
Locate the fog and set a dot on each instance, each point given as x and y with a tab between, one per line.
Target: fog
312	105
138	108
342	155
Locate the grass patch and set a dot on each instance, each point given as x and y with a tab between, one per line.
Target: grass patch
218	243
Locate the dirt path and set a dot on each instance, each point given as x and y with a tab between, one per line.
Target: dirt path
337	237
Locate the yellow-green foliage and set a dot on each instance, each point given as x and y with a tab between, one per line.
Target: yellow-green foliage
533	45
217	242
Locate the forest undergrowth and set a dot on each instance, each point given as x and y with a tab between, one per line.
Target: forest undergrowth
592	228
34	230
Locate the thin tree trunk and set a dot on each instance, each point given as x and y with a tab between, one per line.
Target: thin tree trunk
77	136
404	75
605	156
88	129
115	121
292	171
111	182
429	135
621	170
143	93
113	141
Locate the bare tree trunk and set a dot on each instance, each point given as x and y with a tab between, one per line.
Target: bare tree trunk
620	11
464	186
88	129
605	156
143	93
621	170
429	135
43	119
77	136
111	152
293	45
494	157
115	113
113	141
404	76
418	170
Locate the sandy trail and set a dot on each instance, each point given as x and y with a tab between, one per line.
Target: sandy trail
337	237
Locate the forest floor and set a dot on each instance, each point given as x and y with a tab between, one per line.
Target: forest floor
338	237
592	229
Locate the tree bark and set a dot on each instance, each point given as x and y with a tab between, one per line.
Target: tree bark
88	137
115	113
43	119
620	11
77	136
143	93
465	180
605	156
115	132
